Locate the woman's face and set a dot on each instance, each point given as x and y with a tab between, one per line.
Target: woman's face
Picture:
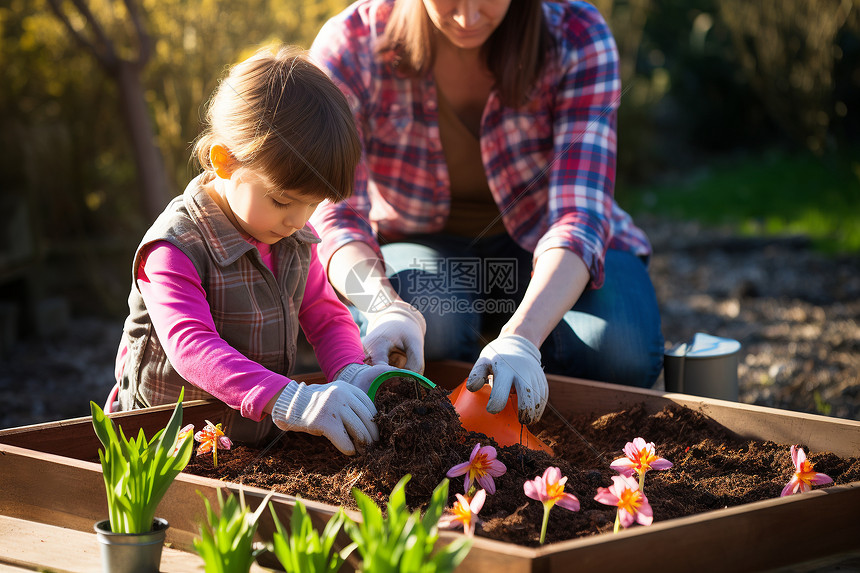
467	24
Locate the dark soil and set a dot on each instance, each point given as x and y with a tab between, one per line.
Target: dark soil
713	468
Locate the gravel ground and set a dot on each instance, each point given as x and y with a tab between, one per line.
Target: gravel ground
795	311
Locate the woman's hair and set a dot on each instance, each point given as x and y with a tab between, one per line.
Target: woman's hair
282	116
515	52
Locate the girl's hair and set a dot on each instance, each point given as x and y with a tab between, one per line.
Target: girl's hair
282	116
515	53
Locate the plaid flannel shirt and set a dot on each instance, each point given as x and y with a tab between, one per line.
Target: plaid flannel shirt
550	164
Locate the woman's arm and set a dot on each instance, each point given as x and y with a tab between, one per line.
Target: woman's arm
358	259
395	330
559	279
582	175
513	359
327	323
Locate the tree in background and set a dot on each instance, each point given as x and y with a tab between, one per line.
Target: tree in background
790	51
65	152
93	36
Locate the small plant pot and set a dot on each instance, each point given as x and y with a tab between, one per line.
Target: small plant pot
131	552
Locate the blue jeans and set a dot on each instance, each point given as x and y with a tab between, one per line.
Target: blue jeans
468	289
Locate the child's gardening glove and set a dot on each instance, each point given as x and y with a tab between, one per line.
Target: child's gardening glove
361	375
398	328
339	411
512	359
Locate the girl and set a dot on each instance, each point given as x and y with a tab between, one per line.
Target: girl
227	274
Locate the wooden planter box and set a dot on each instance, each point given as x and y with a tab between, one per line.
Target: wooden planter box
44	477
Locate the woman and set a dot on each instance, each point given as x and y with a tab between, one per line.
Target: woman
488	173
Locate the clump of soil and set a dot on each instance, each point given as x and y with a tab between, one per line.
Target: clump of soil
422	436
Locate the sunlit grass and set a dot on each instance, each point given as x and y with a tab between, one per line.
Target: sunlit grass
776	194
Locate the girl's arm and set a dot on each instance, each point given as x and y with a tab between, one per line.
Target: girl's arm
180	314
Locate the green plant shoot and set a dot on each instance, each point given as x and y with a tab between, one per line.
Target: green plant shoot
138	473
404	541
303	549
227	537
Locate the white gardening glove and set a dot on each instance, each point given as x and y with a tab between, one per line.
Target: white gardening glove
339	411
398	328
361	375
512	359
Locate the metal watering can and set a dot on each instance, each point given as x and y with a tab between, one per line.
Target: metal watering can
706	366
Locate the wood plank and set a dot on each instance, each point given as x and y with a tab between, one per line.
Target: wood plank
753	537
75	437
30	546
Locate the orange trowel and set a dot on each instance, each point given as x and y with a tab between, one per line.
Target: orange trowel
503	427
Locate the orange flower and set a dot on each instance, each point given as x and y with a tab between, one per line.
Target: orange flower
465	512
549	490
184	434
632	504
804	476
211	439
640	457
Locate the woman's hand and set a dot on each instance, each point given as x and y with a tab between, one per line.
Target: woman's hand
338	410
513	358
513	361
395	336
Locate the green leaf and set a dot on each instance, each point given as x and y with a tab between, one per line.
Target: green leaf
102	425
403	541
138	473
302	550
438	500
226	537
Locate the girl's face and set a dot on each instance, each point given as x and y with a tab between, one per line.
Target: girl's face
264	212
467	24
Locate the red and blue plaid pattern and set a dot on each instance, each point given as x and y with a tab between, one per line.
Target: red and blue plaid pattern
550	164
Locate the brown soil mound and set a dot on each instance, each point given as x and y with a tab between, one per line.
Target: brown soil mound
423	437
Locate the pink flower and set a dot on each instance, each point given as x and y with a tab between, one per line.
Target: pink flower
640	457
183	435
212	439
482	466
804	475
549	490
464	512
632	504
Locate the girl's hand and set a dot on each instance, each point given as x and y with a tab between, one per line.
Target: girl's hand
339	411
393	332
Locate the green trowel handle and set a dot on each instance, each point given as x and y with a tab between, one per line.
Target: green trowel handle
377	382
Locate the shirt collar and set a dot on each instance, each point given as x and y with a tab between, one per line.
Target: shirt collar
223	240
